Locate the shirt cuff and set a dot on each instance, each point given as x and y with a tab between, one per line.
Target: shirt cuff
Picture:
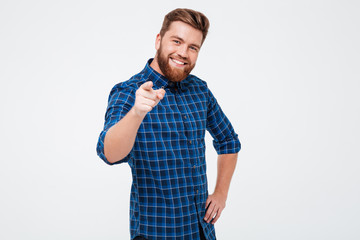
100	151
229	145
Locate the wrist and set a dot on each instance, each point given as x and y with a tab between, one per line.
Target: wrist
221	192
137	114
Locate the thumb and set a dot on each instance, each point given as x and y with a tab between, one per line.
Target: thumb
160	93
147	86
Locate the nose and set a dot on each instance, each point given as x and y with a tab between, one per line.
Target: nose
182	51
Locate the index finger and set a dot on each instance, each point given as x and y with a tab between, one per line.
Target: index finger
147	85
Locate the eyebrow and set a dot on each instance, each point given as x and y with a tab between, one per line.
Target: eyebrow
177	37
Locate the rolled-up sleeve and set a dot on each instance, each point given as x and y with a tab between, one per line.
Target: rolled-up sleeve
225	139
120	102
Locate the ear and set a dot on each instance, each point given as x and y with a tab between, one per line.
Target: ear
157	41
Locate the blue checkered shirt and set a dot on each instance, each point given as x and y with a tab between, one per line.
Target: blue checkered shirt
169	187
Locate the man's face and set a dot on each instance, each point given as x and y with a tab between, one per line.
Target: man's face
177	50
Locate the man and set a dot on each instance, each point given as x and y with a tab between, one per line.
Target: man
156	122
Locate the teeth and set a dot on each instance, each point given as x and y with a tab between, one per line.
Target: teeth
178	62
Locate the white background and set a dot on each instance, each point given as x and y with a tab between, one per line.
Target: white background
286	73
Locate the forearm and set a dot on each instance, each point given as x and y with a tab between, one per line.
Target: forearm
226	166
215	203
120	138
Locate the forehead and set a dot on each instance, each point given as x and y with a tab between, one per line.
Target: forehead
185	31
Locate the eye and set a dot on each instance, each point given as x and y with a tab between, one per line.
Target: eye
194	48
176	41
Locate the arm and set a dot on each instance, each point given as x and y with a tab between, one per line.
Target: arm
216	202
227	145
120	138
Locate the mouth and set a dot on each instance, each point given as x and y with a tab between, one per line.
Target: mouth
178	62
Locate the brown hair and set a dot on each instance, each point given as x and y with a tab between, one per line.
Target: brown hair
195	19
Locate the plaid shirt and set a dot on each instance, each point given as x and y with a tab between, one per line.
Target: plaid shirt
169	187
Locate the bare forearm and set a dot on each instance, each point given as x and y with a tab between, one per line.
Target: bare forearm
215	203
226	166
120	138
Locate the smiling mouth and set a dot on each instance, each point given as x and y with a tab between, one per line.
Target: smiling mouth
178	62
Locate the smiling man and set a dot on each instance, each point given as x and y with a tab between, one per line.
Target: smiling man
156	122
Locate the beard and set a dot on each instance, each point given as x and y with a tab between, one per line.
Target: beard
173	74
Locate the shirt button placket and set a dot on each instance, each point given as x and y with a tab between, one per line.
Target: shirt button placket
188	127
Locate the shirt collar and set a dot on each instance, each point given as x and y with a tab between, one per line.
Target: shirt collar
161	81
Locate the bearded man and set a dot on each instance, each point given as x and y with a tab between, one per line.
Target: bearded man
156	122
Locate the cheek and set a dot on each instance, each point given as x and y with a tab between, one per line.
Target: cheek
193	58
169	47
171	50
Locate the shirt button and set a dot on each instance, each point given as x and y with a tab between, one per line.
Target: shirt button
197	191
190	141
185	116
194	166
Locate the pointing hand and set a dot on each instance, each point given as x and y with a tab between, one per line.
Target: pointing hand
147	98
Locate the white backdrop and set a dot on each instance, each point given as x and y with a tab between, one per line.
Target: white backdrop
286	73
